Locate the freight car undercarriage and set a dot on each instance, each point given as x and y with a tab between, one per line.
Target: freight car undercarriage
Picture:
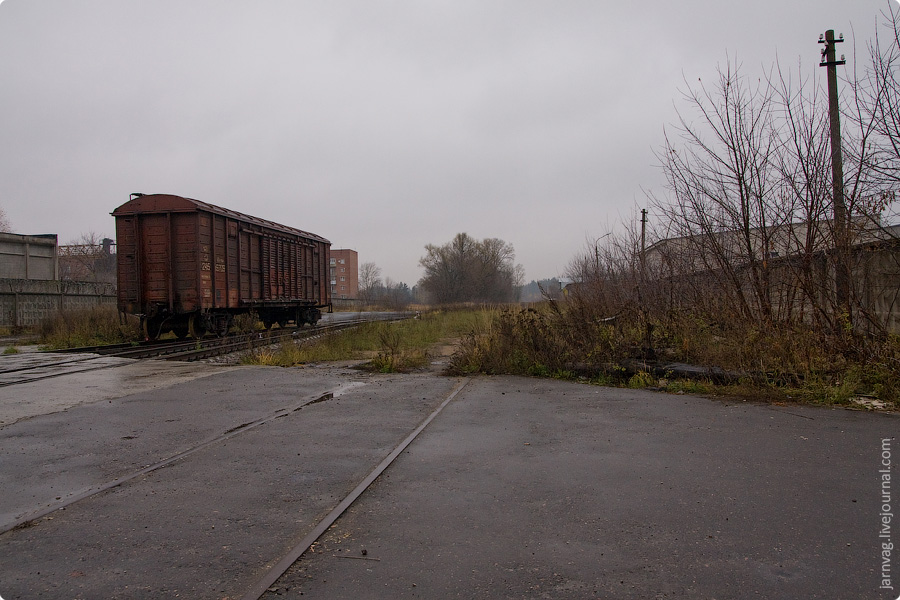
196	324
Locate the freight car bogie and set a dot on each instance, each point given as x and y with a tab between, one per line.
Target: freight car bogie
197	324
216	322
155	326
193	325
283	316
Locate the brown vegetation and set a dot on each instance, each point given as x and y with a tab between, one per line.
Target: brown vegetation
93	326
739	275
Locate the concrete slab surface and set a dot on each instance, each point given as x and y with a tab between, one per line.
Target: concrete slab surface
208	525
520	488
541	489
89	381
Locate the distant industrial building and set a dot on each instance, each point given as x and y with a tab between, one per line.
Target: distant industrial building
344	272
88	262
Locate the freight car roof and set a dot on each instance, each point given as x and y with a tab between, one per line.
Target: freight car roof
156	203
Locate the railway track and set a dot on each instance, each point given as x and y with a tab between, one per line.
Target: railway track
76	496
46	365
273	574
270	568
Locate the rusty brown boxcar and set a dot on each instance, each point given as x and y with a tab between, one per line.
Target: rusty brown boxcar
190	267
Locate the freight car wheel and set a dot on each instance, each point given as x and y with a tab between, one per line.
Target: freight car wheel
181	331
151	327
195	327
222	325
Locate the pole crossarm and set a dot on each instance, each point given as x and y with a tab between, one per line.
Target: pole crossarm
828	56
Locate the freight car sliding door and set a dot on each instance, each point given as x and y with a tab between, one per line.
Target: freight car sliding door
309	278
321	282
270	277
127	264
218	261
232	263
155	273
220	276
292	270
184	246
251	269
204	265
282	266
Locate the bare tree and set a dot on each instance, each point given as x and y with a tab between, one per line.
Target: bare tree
749	202
723	182
369	281
5	225
469	270
876	108
89	258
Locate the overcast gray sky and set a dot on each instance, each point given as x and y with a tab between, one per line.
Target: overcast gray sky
381	125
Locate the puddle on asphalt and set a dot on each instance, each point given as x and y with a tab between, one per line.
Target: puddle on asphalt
346	387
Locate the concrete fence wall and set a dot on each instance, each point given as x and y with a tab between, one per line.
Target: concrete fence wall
28	256
798	291
876	276
25	302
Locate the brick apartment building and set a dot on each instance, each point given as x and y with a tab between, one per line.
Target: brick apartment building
344	274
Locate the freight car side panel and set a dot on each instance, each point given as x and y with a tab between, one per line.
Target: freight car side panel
204	265
181	255
322	274
219	274
184	243
244	276
251	268
273	283
127	264
290	270
305	275
309	272
232	263
155	269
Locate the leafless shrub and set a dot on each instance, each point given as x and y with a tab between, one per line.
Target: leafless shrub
739	270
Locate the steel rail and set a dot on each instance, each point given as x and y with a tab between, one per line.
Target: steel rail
187	351
280	568
168	351
93	490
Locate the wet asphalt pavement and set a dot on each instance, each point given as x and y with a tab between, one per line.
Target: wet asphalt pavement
520	488
536	489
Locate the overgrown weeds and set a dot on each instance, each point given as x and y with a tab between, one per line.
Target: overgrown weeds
787	362
246	323
387	346
93	326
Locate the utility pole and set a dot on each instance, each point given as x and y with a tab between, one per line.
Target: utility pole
643	241
648	351
841	241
